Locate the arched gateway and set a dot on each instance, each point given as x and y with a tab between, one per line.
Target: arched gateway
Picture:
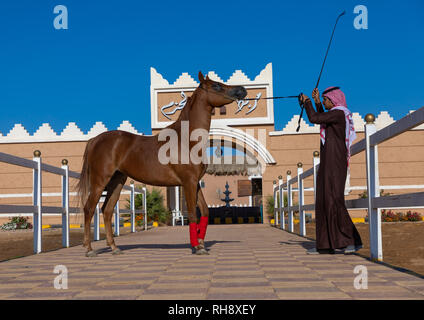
238	139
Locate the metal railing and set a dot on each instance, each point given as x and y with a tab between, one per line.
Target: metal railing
37	209
373	203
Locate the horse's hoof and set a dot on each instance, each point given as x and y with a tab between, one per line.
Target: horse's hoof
201	244
117	251
91	254
201	251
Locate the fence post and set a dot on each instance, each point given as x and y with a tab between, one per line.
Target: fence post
117	216
316	162
289	202
132	206
176	212
281	204
274	186
302	226
37	202
65	204
97	223
373	189
145	207
181	211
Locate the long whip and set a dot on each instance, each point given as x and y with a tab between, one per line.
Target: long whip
319	77
323	64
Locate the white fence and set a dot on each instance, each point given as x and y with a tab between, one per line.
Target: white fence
37	209
373	203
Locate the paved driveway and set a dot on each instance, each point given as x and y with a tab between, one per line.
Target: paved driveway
245	262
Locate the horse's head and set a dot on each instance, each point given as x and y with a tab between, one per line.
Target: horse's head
219	94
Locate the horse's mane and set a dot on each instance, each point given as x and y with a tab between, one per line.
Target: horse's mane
184	115
185	112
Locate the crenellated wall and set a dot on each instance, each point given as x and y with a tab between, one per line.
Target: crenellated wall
250	124
383	119
45	133
401	158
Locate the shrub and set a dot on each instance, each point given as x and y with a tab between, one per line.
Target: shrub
413	216
139	220
270	206
17	223
364	194
390	216
308	218
156	211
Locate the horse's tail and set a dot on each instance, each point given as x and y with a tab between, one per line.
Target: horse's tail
83	186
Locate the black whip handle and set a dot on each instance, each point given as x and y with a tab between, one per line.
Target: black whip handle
301	113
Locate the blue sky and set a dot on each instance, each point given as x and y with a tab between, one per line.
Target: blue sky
99	69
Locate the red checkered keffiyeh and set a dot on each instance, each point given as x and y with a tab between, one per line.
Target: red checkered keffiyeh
337	97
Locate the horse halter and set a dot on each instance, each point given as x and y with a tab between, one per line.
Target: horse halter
219	94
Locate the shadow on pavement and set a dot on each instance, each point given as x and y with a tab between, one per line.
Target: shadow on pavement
124	247
305	244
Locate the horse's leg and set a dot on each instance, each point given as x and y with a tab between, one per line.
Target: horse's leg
191	198
89	207
113	188
203	224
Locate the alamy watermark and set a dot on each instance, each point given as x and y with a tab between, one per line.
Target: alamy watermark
185	147
361	280
60	281
61	20
361	20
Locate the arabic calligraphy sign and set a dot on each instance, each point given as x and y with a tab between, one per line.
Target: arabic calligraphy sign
180	106
170	105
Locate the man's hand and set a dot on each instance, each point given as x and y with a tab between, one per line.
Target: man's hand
315	96
303	98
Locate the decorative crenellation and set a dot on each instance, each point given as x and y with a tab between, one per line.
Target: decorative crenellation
98	128
382	120
185	80
71	132
18	131
127	126
45	133
237	78
187	83
213	76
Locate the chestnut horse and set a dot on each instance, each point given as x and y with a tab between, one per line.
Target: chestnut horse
113	156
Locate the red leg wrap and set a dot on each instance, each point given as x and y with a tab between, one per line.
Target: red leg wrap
193	234
202	227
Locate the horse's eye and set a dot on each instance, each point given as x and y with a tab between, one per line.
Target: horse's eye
217	87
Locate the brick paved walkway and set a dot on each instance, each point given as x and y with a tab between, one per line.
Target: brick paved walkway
245	262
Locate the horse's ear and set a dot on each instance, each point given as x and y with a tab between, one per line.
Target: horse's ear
207	77
201	78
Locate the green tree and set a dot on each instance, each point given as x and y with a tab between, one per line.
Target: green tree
270	204
156	210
